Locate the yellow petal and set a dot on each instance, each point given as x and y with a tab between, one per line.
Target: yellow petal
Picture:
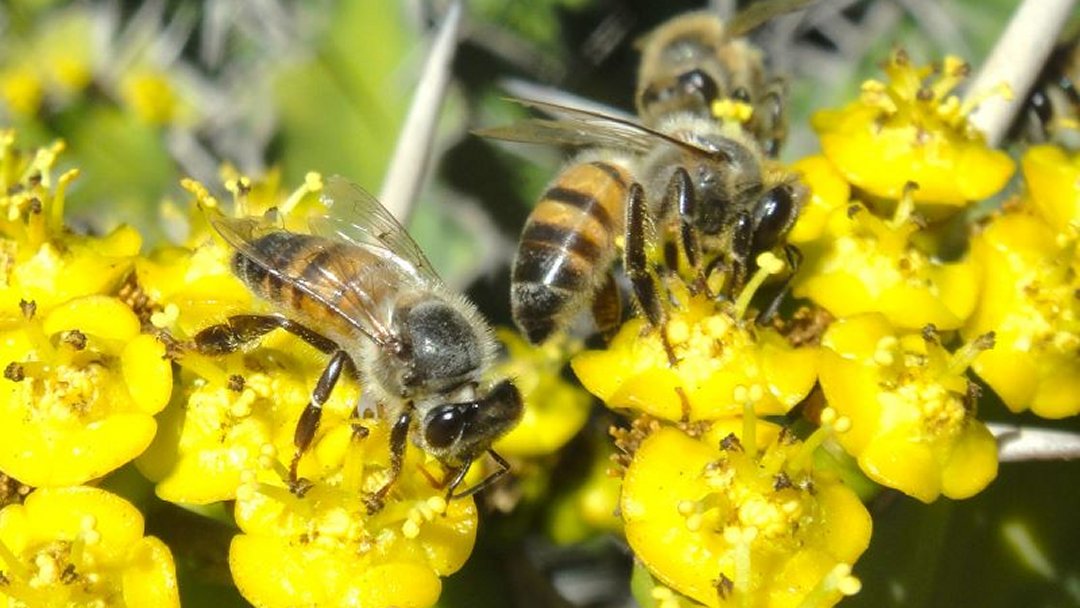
972	463
101	316
147	373
150	576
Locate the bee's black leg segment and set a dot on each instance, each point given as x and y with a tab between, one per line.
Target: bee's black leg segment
459	476
399	436
320	342
634	257
680	190
794	258
238	330
235	332
607	308
312	414
742	240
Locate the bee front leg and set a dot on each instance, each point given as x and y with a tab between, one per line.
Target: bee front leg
793	256
399	436
312	414
680	197
459	476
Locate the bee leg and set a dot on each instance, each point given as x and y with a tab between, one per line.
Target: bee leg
607	308
793	257
312	414
459	476
399	435
742	242
238	330
680	195
635	261
771	110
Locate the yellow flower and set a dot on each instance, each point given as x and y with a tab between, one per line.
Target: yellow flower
912	130
555	410
80	392
716	352
325	549
910	406
80	546
723	519
40	260
1053	181
1031	275
829	192
864	263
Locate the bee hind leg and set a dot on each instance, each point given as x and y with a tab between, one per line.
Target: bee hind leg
312	414
239	330
636	264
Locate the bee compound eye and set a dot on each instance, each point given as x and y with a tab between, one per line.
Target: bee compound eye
774	216
444	426
697	81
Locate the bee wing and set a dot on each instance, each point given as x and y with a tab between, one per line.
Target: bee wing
581	127
761	11
241	234
357	217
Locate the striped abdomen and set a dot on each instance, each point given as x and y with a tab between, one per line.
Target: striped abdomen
567	246
341	275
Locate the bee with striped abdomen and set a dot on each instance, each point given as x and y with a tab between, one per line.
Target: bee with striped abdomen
359	289
699	185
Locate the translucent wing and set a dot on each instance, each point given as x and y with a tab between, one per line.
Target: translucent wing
761	11
580	127
354	303
357	217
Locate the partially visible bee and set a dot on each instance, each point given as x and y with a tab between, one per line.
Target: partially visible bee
1052	110
359	289
697	59
702	186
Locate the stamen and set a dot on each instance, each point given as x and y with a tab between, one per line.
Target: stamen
312	183
768	264
966	354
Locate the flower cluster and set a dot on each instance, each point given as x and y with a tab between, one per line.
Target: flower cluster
82	383
720	505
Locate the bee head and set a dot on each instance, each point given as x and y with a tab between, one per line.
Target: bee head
456	433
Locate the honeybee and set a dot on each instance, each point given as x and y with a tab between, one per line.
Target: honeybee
359	289
702	187
696	59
